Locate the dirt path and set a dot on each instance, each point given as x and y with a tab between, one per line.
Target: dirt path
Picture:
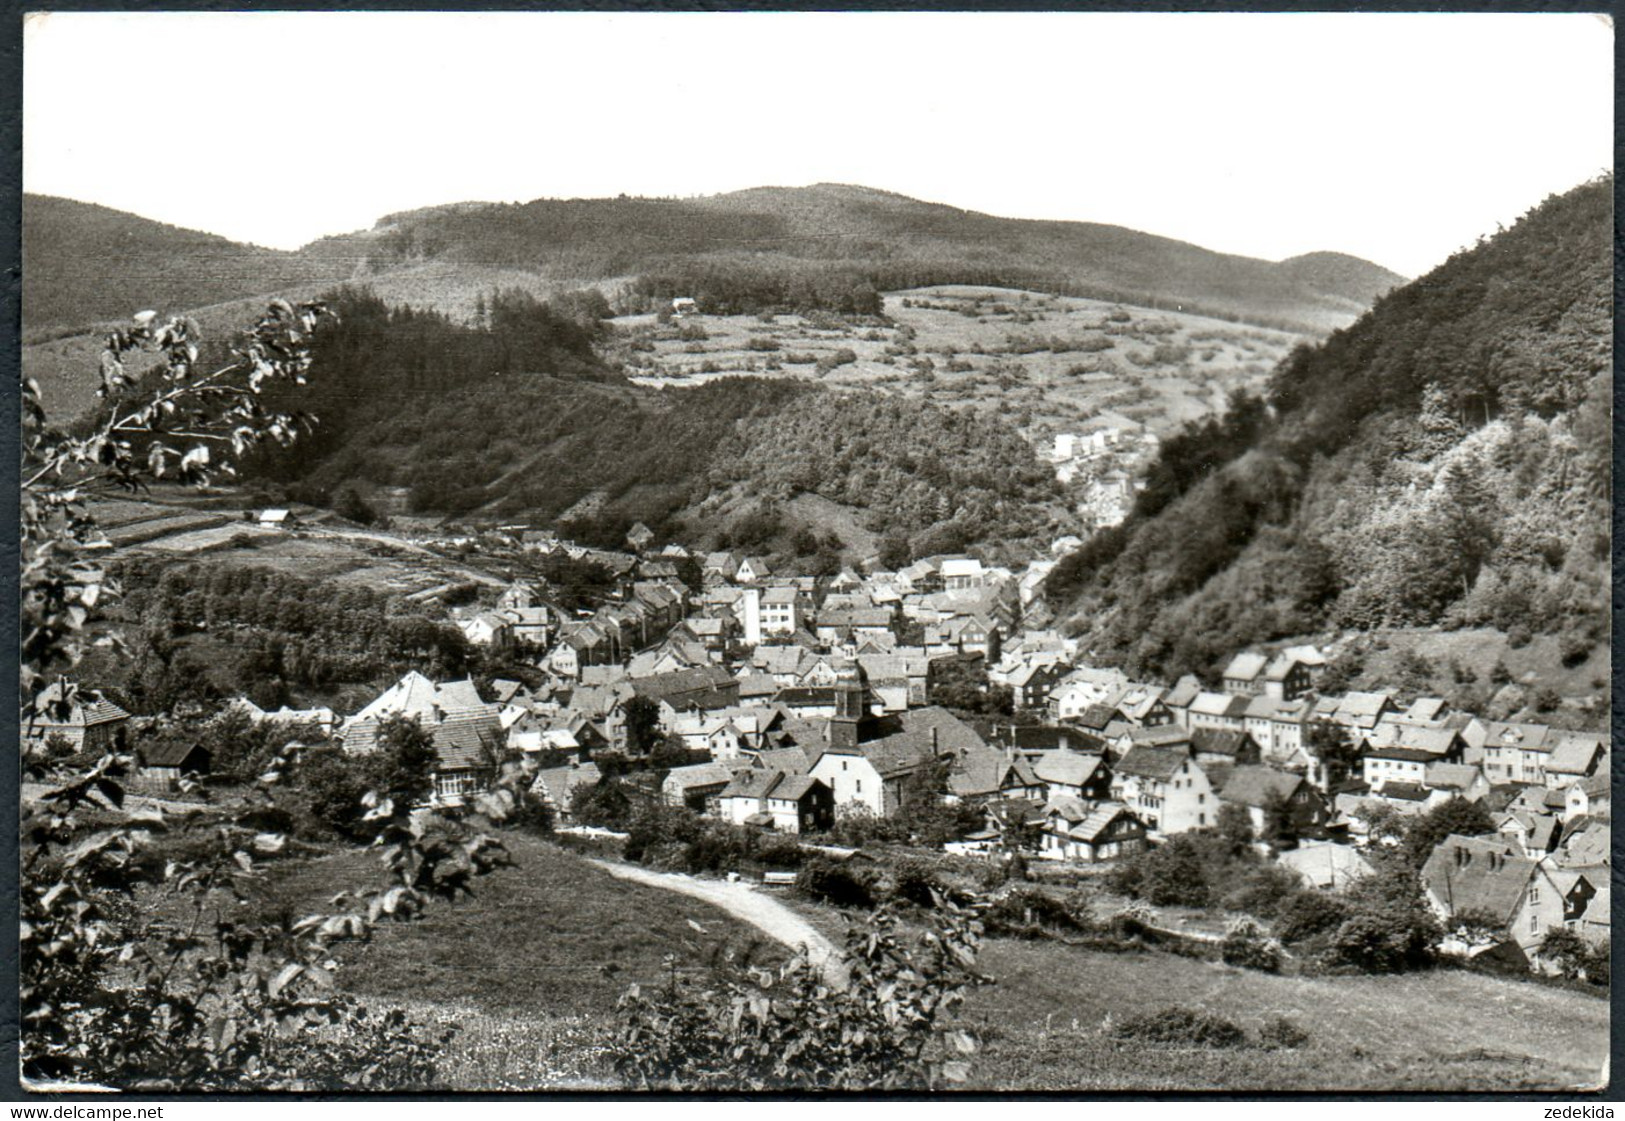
747	904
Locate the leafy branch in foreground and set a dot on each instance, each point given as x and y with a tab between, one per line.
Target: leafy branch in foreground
162	425
197	997
881	1019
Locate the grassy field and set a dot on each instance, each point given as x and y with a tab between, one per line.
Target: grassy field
1445	1030
1043	362
530	967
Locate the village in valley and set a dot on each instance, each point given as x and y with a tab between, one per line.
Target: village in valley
840	616
835	710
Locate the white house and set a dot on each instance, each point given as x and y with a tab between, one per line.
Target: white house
1166	788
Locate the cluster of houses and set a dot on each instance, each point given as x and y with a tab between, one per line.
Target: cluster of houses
796	700
1102	462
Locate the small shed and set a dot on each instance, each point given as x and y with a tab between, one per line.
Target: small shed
164	765
276	519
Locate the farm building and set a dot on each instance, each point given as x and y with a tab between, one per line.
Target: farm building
162	766
91	722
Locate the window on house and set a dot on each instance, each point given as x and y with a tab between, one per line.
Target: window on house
1201	819
1201	799
860	786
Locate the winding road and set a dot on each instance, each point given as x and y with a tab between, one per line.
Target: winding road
747	904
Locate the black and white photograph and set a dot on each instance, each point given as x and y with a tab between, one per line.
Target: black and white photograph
842	552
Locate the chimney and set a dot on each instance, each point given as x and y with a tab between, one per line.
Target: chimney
933	740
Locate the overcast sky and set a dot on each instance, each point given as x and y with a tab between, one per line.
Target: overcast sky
1399	138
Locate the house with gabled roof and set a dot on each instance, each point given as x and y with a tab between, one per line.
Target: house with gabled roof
1218	710
1257	789
1456	780
1031	681
85	721
753	570
871	775
1224	747
1140	704
1285	678
774	799
1082	687
1089	831
981	774
1166	788
1359	711
1244	676
1511	752
1073	774
1490	879
1179	698
1587	798
1574	756
639	536
699	787
163	766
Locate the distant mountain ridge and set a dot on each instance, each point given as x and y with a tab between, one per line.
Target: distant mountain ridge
85	263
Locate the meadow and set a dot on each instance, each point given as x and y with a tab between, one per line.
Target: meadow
532	965
1042	362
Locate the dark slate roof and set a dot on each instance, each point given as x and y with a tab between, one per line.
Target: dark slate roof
1402	754
171	754
1160	763
1219	741
1066	768
1404	791
1255	786
699	678
1478	874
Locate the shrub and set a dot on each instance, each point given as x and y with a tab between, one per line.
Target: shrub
692	333
888	1027
780	852
1519	637
1282	1034
1573	648
1169	875
1027	913
1248	947
1547	699
759	342
1306	914
1181	1025
1263	891
916	882
828	881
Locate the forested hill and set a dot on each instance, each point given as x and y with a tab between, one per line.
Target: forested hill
84	264
1445	460
516	419
805	235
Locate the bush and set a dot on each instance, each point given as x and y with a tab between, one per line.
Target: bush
916	882
1168	875
1282	1034
758	342
1519	637
1181	1025
780	852
1308	913
1027	913
827	881
1263	891
1248	947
